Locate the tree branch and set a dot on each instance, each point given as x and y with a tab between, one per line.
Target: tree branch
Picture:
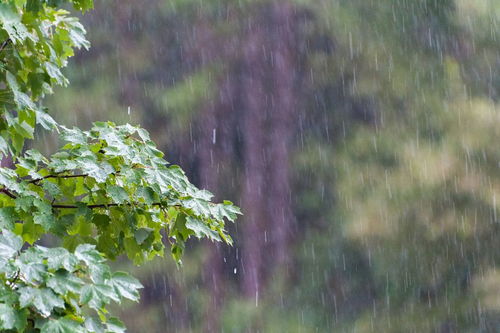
4	44
60	206
34	181
8	193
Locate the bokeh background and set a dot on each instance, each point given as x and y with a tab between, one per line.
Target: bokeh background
360	137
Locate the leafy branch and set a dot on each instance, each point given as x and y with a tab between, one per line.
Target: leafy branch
36	181
113	204
93	206
132	198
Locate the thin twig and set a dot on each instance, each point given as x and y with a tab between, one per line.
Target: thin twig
8	193
62	206
16	277
4	44
34	181
101	205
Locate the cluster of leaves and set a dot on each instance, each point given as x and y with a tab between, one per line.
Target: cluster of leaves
36	39
109	187
106	192
53	290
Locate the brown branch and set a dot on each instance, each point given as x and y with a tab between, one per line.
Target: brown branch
34	181
8	193
101	205
62	206
4	44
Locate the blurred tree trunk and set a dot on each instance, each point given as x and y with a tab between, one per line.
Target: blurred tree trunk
216	150
271	93
282	119
256	108
209	158
248	125
255	100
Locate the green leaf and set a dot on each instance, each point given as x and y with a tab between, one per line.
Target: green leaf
97	295
25	130
179	230
7	317
81	227
10	244
43	299
4	146
11	22
43	207
98	171
133	250
117	194
47	221
88	254
63	282
61	325
83	5
125	285
31	232
77	32
114	325
61	258
101	220
200	229
17	141
54	72
74	135
31	268
8	217
7	295
20	98
177	251
7	267
33	5
11	318
45	120
142	234
24	203
148	194
52	189
99	272
93	326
